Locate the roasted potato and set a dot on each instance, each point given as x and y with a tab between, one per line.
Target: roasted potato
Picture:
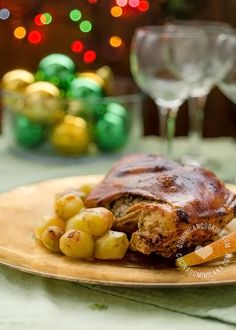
95	221
112	245
48	220
68	205
86	188
77	244
77	192
51	237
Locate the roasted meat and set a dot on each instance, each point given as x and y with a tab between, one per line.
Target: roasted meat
155	201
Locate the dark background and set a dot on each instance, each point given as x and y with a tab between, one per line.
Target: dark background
220	119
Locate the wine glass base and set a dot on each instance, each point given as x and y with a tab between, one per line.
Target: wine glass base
194	160
201	161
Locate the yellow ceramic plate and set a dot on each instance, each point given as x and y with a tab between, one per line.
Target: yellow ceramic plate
22	207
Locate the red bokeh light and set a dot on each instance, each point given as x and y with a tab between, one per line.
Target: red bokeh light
89	56
143	5
37	20
77	46
92	1
34	37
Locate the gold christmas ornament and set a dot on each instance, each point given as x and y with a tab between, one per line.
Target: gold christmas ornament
93	76
72	136
106	74
43	103
13	84
17	80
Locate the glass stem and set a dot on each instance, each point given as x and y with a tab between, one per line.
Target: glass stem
196	117
167	120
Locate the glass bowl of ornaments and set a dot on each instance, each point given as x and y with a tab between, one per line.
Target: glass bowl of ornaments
60	112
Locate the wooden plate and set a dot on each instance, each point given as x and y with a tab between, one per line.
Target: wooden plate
21	209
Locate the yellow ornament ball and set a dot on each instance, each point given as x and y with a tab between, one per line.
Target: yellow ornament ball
72	136
43	103
17	80
107	76
14	84
93	76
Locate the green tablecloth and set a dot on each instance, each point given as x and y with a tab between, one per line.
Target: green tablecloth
31	302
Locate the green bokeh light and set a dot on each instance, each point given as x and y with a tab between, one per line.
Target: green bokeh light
85	26
75	15
46	18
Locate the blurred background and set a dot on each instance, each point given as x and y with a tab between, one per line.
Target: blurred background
98	32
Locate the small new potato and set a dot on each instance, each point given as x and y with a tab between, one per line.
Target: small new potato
77	192
51	237
86	188
95	221
48	220
77	244
112	245
68	205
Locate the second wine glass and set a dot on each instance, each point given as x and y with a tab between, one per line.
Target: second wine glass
200	91
226	80
165	64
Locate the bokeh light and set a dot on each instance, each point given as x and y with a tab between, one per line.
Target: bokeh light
4	13
75	15
92	1
143	5
116	11
122	3
77	46
115	41
37	20
34	37
89	56
46	18
85	26
20	32
134	3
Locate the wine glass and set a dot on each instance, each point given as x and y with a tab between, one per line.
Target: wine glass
227	77
166	63
199	92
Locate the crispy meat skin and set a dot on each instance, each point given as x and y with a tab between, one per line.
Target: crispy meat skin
155	200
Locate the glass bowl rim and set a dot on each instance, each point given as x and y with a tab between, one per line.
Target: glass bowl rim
162	30
123	98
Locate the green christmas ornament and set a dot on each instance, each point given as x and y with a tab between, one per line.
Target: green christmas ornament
110	132
97	110
118	110
58	69
84	88
27	133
